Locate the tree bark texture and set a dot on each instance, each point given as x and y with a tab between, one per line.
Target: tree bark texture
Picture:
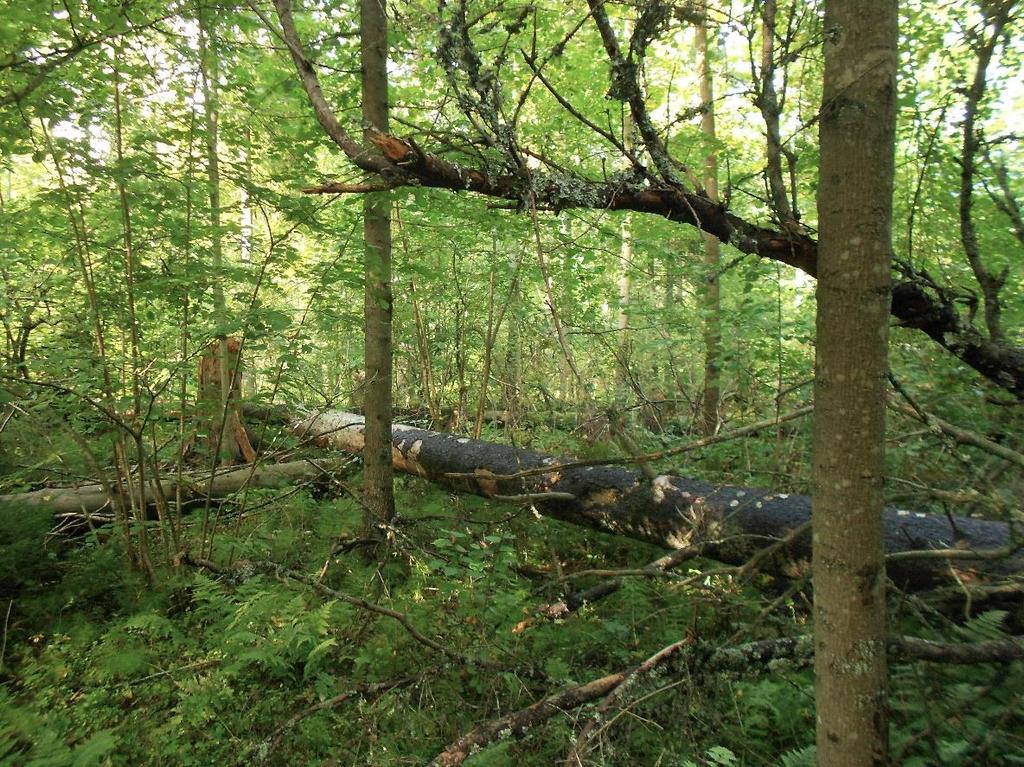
669	512
378	491
857	134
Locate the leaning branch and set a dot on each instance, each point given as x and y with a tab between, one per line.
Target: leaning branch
916	302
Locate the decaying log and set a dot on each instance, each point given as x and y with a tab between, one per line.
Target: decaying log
672	512
90	499
669	512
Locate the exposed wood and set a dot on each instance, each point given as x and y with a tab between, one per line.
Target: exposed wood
670	512
218	401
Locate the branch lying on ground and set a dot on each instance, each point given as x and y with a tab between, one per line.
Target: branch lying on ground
576	600
685	656
583	740
657	569
675	656
268	746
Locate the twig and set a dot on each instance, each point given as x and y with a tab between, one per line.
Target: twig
338	187
526	497
583	740
3	644
986	554
959	434
752	656
957	653
268	746
517	723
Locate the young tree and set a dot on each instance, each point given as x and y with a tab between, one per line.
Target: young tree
857	133
379	494
712	319
378	491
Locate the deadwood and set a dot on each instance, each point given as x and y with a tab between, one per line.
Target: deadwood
85	500
728	523
731	523
688	660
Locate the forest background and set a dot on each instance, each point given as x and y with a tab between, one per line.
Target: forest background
166	190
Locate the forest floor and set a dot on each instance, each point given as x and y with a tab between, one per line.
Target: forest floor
257	665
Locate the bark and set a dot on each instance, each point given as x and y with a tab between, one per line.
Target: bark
224	431
378	490
857	139
670	512
223	358
917	301
990	282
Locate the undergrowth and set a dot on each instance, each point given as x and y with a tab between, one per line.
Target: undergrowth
101	667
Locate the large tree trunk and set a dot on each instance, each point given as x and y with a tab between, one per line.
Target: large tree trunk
857	127
670	512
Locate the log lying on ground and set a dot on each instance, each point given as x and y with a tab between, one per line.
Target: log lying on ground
90	499
671	512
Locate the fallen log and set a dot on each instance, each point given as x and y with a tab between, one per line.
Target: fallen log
90	499
675	512
669	512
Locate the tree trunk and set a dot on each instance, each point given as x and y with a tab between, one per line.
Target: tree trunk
857	132
712	315
670	512
226	450
378	489
222	357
